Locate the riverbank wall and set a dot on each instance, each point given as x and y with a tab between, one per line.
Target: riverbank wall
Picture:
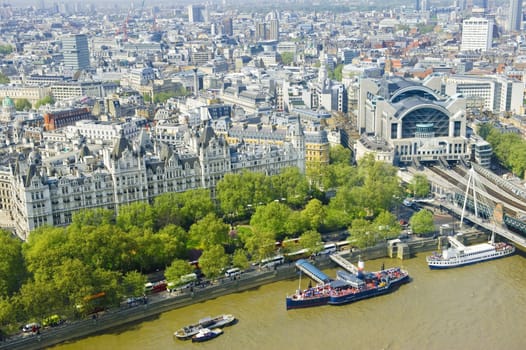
170	301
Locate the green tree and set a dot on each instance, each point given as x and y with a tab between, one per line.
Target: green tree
208	232
387	225
311	240
48	100
340	155
92	217
271	219
213	261
177	269
239	193
4	79
338	72
240	259
422	222
419	186
22	104
133	283
12	264
291	185
314	213
363	233
174	239
7	311
6	49
162	97
46	248
287	58
260	245
137	214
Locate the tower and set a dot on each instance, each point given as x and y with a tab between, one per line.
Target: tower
76	52
228	27
477	34
515	15
274	29
8	110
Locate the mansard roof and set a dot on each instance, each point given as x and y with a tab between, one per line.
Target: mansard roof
121	145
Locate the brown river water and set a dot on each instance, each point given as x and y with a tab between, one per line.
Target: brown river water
481	306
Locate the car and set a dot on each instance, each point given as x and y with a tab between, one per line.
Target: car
31	327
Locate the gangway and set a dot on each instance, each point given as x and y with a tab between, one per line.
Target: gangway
312	271
344	263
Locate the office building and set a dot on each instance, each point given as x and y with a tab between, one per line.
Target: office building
515	16
274	29
477	34
197	14
76	52
228	27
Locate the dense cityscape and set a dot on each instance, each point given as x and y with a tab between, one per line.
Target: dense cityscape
114	111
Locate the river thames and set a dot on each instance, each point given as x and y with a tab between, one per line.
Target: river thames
481	306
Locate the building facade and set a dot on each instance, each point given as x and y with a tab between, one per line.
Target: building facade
76	52
515	16
477	34
38	190
405	122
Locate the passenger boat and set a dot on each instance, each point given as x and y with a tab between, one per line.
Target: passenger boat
205	334
189	331
366	285
460	255
348	287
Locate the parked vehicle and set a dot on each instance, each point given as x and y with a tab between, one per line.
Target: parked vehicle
31	327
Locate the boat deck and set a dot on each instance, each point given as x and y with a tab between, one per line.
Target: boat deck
312	271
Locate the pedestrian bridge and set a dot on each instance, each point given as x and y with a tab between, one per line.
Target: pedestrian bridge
344	263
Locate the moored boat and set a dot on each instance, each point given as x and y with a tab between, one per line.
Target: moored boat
220	321
366	285
205	334
460	255
348	287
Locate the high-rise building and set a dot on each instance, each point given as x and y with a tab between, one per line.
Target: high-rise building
261	31
515	15
228	27
425	5
417	5
274	29
477	34
76	52
197	14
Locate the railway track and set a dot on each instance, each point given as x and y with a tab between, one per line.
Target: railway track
504	196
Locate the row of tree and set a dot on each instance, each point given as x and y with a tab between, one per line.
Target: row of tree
509	148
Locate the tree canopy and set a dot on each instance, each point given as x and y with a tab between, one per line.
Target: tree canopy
422	222
22	104
509	148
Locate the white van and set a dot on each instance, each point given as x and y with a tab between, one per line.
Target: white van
235	271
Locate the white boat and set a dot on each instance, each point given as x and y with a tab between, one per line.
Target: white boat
207	322
205	334
459	255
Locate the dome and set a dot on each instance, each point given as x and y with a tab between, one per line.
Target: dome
8	102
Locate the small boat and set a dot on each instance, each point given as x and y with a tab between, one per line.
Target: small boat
460	255
220	321
205	334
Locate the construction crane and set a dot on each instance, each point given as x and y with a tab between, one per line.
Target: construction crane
124	28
